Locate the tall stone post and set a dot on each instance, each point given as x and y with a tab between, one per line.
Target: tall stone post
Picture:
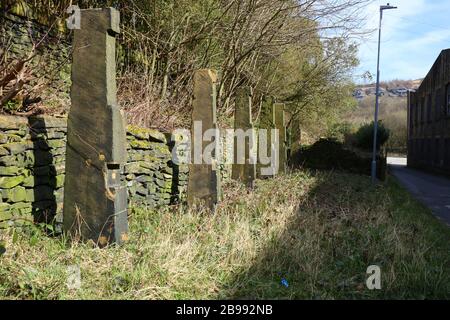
296	133
95	195
266	124
288	121
293	135
204	177
244	164
281	126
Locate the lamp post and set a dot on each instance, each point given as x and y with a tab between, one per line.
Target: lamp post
377	101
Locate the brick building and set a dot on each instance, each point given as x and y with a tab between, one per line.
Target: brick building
429	119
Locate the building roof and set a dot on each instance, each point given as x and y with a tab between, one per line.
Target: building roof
432	71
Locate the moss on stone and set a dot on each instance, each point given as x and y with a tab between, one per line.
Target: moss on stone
4	207
140	144
18	147
5	215
60	181
137	132
14	138
11	171
29	195
146	134
28	174
3	151
17	194
3	138
55	144
11	161
11	182
28	181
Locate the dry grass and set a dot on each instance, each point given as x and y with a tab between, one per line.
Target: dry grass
318	231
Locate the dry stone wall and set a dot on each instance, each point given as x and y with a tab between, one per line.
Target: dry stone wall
153	179
32	156
31	167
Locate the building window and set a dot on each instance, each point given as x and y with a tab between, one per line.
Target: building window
447	102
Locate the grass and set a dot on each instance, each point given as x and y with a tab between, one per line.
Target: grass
319	231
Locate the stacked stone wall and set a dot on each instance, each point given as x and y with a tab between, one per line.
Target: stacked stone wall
32	156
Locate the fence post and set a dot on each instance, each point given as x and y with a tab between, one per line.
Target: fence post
204	177
244	164
95	194
281	126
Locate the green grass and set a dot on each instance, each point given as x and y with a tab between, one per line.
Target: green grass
319	231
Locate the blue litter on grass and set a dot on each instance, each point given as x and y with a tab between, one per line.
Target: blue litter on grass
285	283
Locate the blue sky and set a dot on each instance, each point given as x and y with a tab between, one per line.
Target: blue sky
412	38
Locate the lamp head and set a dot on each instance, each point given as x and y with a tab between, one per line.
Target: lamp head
387	7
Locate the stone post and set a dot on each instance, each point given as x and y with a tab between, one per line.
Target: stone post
293	135
296	133
266	123
95	195
244	164
204	177
288	120
281	126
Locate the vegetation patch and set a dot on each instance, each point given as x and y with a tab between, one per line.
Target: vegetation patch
315	232
330	154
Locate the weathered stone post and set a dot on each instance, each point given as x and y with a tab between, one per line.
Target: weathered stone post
281	126
244	164
95	195
204	177
293	135
296	132
288	120
266	124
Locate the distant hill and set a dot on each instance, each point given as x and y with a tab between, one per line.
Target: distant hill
394	88
409	84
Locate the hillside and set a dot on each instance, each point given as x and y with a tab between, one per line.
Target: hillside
394	88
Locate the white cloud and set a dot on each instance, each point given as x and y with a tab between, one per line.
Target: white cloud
411	37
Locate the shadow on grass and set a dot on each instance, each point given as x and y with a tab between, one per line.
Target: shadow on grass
330	154
342	227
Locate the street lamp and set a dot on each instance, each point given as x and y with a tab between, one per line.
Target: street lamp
375	125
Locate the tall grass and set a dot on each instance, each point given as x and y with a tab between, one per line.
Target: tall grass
319	231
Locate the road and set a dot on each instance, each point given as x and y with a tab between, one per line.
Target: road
432	190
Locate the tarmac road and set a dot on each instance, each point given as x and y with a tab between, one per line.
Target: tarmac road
432	190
